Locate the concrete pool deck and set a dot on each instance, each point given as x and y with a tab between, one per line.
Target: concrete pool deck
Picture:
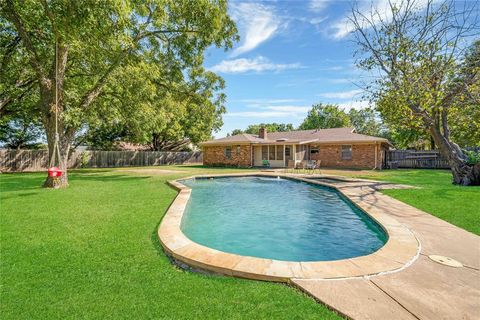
424	290
399	281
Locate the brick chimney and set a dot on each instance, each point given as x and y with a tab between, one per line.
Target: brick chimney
262	133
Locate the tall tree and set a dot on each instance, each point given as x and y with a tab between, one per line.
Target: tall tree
20	133
235	132
366	121
163	120
80	51
417	52
464	119
324	116
406	131
271	127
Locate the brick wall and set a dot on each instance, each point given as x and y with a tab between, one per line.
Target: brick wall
363	156
215	156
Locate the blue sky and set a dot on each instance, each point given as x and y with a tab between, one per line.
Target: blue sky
291	54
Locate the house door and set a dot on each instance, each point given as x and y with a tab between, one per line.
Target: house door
288	154
257	156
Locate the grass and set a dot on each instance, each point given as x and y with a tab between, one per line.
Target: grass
436	194
90	251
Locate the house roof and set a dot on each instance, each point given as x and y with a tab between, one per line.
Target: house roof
334	135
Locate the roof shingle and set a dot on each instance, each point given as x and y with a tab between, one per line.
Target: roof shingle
334	135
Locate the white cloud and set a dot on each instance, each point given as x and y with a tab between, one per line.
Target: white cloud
341	95
343	27
268	111
257	23
318	5
257	114
341	80
289	109
257	64
268	101
317	20
354	105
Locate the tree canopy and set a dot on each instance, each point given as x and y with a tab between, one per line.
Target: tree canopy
419	56
271	127
323	116
138	64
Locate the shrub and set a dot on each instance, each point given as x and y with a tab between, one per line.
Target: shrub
472	157
84	159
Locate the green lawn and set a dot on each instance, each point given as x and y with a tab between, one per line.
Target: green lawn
436	194
91	252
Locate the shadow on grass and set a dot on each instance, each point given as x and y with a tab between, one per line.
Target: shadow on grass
201	166
21	181
106	178
90	170
34	181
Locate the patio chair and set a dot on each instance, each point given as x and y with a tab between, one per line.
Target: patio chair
301	165
266	163
311	165
290	166
319	163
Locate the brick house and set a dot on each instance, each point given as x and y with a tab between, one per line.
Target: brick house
338	147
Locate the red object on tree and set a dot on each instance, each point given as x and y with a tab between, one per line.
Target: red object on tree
54	172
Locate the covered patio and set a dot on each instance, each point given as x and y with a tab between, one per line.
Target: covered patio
280	154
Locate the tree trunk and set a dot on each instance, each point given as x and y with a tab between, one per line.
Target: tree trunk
64	144
466	175
463	173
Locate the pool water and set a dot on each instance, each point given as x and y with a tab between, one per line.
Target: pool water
278	219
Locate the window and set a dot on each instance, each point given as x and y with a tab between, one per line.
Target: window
271	152
314	150
287	151
346	152
228	152
238	150
279	152
264	152
301	152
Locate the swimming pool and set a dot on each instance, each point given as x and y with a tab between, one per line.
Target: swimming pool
279	219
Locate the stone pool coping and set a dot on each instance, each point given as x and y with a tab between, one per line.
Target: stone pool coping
400	250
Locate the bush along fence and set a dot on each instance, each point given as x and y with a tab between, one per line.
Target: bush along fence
415	159
37	160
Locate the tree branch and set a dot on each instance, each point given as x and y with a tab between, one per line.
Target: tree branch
17	21
50	16
91	95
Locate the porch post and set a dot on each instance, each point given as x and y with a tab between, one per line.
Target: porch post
294	149
251	155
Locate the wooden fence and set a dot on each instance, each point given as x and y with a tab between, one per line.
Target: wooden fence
415	159
37	160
